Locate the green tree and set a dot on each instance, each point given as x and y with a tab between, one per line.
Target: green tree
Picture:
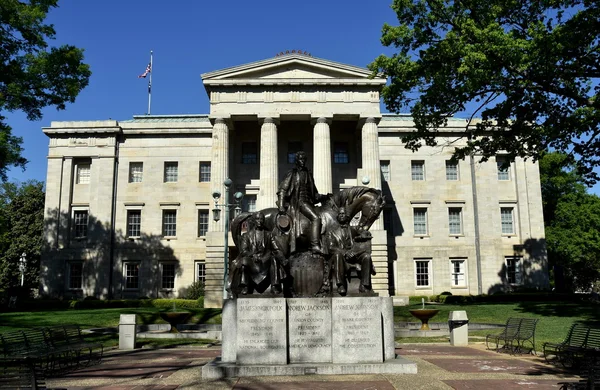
572	221
32	74
529	69
22	218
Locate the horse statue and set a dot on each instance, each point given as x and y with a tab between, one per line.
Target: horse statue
369	202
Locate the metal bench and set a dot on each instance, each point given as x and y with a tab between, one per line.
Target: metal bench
576	338
516	336
16	375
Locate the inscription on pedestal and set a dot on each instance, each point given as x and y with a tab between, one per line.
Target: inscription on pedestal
261	331
357	336
309	326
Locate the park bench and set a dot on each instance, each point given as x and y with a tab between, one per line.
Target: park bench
16	375
51	349
575	348
516	335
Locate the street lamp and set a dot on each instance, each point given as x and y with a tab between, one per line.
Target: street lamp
22	266
217	216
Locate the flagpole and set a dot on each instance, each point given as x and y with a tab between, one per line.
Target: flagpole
150	84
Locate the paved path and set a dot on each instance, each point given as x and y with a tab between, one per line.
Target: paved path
439	367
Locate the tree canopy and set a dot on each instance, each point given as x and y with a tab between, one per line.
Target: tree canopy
529	69
33	75
572	221
21	228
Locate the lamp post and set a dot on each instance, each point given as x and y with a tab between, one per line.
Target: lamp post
22	266
217	216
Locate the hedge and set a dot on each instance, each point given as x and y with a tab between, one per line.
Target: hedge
165	304
508	297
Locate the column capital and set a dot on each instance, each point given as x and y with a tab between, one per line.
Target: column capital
268	119
368	120
321	119
226	120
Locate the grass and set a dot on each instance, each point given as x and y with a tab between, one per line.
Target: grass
555	318
96	318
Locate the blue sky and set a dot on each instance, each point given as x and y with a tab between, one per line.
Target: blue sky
190	38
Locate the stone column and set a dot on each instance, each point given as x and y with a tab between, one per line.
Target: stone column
371	167
322	156
268	165
219	166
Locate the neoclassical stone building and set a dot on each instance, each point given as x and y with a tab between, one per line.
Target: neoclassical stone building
128	202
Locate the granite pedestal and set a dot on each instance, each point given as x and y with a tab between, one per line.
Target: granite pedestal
303	336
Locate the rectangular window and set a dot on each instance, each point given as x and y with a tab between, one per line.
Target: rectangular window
417	170
293	147
422	278
134	223
171	171
388	223
249	203
513	269
420	221
202	223
169	223
80	223
506	216
249	153
385	169
455	220
75	276
200	271
136	172
451	171
503	166
457	272
204	172
340	153
132	275
168	276
83	173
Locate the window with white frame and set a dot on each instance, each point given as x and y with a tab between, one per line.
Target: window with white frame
293	148
83	173
200	271
205	171
458	273
513	269
134	223
451	170
506	217
422	272
417	170
249	203
340	153
132	275
202	223
249	153
420	221
80	223
385	169
168	276
455	220
503	166
171	171
169	227
75	272
136	172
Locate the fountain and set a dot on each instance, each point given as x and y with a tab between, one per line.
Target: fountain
175	318
424	315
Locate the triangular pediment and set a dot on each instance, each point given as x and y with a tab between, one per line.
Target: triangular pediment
289	66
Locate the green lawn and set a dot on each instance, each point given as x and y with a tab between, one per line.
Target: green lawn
555	317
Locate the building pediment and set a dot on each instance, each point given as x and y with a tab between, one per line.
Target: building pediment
291	68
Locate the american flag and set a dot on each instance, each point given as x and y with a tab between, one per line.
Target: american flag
148	70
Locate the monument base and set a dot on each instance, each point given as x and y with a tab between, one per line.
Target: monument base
217	369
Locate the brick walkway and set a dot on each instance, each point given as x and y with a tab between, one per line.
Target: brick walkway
439	367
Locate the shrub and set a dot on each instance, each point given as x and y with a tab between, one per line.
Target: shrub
195	290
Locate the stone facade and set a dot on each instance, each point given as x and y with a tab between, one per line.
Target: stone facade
128	202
